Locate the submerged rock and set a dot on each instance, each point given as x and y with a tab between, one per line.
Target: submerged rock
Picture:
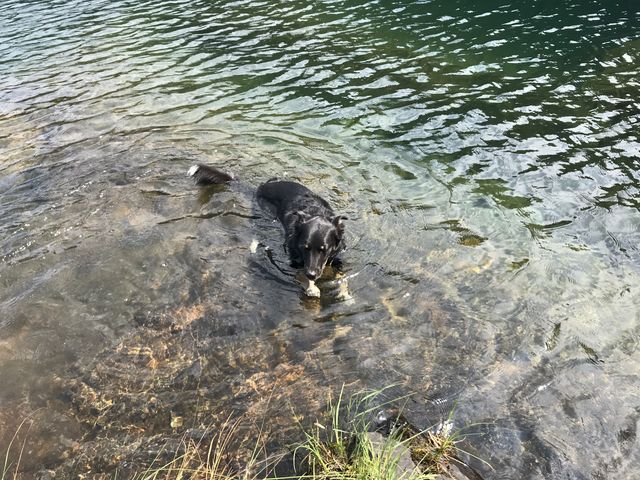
172	382
455	473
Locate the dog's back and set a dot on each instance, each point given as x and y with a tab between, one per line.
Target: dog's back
284	198
314	234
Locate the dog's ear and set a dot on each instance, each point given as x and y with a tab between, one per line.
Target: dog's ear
338	223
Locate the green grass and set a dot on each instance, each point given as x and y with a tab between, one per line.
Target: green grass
343	449
337	447
339	450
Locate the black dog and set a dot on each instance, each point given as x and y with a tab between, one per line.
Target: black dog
314	234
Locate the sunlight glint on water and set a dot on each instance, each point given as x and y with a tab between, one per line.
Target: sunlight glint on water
487	159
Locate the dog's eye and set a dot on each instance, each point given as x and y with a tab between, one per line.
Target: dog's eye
307	247
323	248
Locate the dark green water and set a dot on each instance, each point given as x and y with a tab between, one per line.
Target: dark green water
486	153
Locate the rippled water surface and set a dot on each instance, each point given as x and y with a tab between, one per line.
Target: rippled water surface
486	154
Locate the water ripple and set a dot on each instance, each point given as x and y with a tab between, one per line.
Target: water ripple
487	156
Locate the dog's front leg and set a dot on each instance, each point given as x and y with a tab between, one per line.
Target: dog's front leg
343	291
310	288
341	282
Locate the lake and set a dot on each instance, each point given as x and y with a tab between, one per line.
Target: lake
486	155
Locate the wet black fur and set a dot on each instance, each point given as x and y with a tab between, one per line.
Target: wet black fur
314	234
204	175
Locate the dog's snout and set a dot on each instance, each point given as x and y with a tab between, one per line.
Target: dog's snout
311	274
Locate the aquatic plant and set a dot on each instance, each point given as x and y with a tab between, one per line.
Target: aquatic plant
9	465
208	460
435	449
347	449
358	438
342	446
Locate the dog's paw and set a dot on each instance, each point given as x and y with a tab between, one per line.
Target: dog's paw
253	248
193	170
312	290
343	293
345	296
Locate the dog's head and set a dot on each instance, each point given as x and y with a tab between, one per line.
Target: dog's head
320	239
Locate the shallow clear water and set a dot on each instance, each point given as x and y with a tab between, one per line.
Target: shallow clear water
486	155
